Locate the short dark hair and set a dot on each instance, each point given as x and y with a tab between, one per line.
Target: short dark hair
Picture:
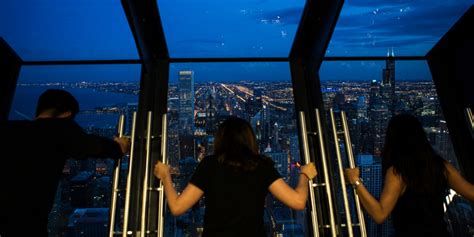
58	101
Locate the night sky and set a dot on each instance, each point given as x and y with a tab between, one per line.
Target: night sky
97	29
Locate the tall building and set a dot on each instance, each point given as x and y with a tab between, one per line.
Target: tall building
379	121
382	104
80	189
186	113
371	173
88	222
387	87
186	102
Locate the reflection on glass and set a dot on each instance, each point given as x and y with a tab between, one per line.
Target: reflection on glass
46	30
203	95
104	92
411	28
370	92
236	28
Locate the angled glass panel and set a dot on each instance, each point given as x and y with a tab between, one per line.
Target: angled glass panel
42	30
363	89
104	92
200	97
410	28
235	28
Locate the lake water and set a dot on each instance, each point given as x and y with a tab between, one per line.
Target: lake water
26	97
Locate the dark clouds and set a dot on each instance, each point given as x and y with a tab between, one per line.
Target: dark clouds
410	27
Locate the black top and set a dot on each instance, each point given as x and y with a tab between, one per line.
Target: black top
420	214
33	154
234	200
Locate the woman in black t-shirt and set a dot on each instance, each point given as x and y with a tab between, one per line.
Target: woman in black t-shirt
416	182
234	182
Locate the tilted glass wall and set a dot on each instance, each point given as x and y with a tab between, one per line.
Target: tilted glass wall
104	92
200	97
371	92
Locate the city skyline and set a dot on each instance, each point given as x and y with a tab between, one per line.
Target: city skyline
269	106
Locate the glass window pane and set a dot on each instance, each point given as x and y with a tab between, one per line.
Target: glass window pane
103	93
410	28
201	95
363	90
42	30
236	28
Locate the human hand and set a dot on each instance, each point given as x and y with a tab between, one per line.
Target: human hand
124	143
352	175
309	170
161	171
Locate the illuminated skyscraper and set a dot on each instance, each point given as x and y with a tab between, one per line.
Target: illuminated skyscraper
387	87
186	113
371	173
186	102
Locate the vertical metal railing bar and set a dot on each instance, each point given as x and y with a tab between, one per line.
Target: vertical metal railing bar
164	154
470	119
306	156
326	174
341	175
129	179
350	156
145	187
115	182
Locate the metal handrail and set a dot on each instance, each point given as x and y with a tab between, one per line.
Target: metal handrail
350	156
164	153
470	119
146	178
326	174
129	178
115	182
304	137
341	175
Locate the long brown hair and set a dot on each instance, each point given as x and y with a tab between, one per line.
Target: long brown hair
236	145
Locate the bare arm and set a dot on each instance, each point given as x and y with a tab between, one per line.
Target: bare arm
392	189
458	183
178	204
294	198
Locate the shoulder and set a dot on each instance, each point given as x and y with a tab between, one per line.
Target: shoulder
15	124
208	161
394	180
17	130
61	125
393	175
266	161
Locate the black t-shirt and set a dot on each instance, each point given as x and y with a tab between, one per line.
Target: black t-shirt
234	200
420	214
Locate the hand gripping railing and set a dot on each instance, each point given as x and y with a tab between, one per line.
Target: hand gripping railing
350	157
146	179
304	137
129	180
115	183
164	155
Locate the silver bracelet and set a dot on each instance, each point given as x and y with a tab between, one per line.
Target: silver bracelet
357	183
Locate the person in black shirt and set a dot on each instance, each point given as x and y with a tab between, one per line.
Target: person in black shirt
33	156
416	182
235	181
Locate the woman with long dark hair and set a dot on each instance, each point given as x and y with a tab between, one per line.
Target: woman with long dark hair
416	182
235	181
